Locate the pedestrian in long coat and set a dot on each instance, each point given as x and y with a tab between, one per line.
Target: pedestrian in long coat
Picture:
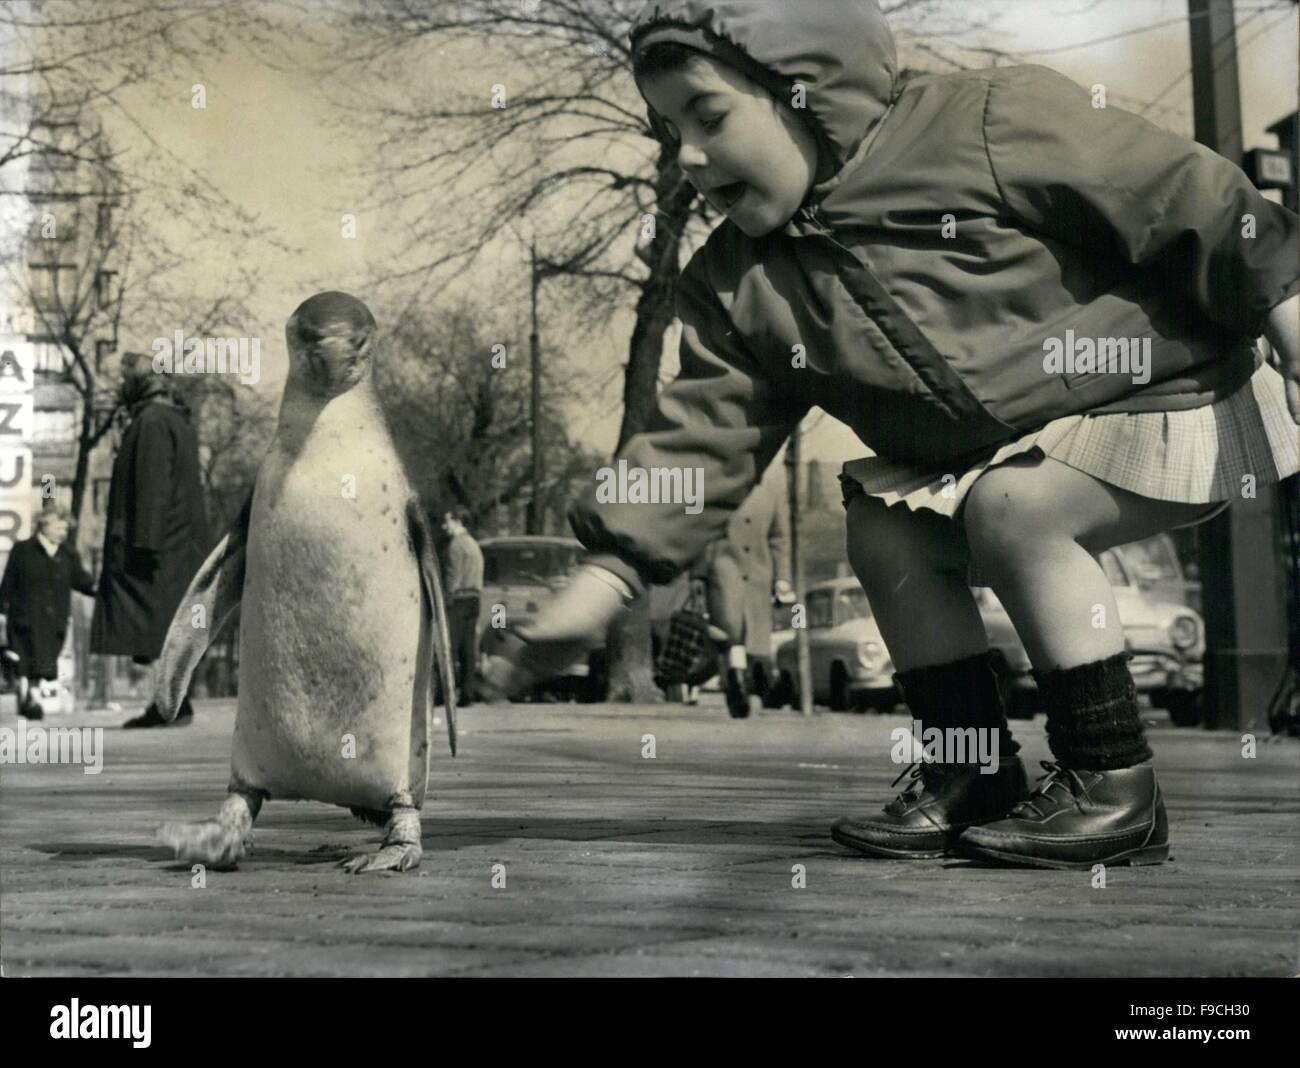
36	601
749	568
156	528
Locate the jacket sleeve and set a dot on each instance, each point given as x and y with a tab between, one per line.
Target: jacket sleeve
8	583
720	421
82	580
153	471
1104	178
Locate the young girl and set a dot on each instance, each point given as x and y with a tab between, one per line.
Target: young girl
1039	312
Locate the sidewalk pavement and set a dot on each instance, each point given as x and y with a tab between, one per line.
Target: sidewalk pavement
553	845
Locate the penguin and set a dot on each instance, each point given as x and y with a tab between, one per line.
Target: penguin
332	565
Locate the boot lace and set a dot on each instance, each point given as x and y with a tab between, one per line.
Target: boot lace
923	775
1056	776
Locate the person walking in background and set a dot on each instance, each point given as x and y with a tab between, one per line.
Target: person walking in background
748	568
156	530
464	594
36	601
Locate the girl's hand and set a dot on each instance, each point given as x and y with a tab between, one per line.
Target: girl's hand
570	624
1283	333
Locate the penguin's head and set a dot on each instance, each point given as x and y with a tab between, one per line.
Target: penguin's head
330	338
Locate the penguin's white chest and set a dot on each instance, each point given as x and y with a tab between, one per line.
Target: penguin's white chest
333	633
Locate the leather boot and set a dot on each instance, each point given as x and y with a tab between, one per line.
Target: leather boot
940	801
151	717
943	799
1076	819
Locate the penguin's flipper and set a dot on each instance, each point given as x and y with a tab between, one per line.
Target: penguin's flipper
422	539
217	588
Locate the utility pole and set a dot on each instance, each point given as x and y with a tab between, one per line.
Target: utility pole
534	522
802	657
1242	574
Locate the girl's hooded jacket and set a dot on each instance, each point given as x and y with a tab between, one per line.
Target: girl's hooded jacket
964	231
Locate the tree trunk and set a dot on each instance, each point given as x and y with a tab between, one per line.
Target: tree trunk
627	651
654	308
85	443
631	671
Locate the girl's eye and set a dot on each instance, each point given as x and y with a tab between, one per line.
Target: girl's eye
711	124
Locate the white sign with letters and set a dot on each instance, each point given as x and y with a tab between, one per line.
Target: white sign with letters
17	382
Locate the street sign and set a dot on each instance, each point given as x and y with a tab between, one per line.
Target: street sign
17	383
1269	168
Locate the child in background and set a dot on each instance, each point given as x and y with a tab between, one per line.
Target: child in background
1040	312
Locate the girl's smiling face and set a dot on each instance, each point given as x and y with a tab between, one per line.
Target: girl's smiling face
750	156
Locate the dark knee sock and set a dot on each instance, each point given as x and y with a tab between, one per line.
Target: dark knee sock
960	693
1092	715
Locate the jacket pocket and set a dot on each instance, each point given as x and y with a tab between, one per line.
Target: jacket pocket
1084	379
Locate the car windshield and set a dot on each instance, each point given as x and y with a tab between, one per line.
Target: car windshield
1152	560
528	565
851	604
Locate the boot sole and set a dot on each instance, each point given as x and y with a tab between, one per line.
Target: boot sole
1141	856
885	851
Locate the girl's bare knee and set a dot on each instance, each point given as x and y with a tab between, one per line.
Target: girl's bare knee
1004	508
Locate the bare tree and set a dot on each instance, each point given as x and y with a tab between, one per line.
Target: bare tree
87	266
83	247
456	400
61	55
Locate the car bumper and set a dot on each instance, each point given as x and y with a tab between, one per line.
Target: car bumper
1165	671
872	681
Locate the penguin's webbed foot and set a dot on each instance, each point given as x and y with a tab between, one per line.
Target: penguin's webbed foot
397	857
210	842
217	843
400	851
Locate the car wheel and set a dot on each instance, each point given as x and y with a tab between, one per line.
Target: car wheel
839	699
881	702
1185	708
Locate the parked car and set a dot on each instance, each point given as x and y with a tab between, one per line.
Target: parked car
1165	637
519	573
849	663
1010	659
1152	565
1167	641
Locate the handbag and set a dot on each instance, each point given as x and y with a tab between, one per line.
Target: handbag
689	654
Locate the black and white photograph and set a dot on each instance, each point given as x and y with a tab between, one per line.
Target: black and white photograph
623	489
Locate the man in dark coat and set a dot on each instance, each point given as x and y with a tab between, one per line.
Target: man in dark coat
156	529
36	600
